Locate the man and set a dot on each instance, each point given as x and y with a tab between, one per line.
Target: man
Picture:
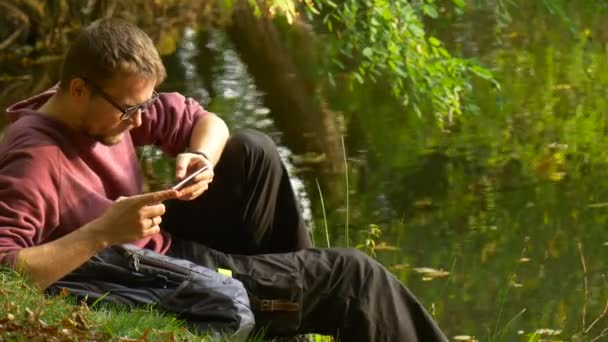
70	186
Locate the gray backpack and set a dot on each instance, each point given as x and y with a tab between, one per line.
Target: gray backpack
127	275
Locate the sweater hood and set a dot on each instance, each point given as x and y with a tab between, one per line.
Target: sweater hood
15	111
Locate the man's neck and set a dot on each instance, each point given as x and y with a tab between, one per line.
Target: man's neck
58	109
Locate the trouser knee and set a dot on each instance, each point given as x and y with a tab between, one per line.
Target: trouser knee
355	267
253	143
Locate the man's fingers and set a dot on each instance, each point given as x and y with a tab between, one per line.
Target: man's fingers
154	197
152	230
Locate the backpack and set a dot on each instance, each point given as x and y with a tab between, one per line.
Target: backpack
127	275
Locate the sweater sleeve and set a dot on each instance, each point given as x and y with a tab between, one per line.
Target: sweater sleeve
28	200
168	124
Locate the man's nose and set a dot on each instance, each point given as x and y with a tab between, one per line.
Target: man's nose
136	118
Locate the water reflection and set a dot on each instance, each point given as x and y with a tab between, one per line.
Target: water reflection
228	91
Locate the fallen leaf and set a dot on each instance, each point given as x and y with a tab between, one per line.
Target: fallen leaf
399	267
66	321
431	272
547	332
29	314
382	246
563	87
423	203
81	323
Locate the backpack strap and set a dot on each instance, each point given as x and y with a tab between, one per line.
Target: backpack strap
274	305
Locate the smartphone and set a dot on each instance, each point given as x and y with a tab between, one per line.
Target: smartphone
188	179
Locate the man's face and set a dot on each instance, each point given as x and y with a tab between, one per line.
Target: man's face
102	118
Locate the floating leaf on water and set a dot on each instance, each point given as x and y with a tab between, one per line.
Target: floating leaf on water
431	272
427	279
423	203
515	284
547	332
382	246
465	338
524	260
399	267
557	176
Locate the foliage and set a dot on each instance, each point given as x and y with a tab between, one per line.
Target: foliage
385	41
525	168
370	237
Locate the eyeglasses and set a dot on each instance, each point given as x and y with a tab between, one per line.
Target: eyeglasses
128	112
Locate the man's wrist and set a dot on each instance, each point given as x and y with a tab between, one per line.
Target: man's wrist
201	153
204	155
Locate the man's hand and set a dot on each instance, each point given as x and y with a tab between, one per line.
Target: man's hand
189	162
132	218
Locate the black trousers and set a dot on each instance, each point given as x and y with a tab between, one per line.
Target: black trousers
249	222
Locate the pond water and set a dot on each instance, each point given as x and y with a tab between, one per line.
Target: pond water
496	204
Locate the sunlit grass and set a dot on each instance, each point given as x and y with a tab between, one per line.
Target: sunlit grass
25	312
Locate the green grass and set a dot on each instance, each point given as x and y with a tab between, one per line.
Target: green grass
26	313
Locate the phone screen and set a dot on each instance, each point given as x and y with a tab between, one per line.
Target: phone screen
188	179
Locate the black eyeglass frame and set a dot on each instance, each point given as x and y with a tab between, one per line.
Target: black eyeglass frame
127	112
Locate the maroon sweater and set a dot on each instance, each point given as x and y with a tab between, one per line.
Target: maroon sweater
54	180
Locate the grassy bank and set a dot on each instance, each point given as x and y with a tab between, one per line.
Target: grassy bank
26	313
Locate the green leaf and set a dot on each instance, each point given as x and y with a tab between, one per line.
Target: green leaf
338	63
332	80
481	72
434	41
358	77
459	3
368	52
430	11
416	30
227	4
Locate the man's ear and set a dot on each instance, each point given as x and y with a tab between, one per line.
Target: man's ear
78	88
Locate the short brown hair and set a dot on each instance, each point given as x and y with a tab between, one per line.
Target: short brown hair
109	47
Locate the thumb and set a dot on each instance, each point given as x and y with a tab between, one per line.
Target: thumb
181	165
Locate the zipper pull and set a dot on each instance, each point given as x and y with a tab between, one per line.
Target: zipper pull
134	262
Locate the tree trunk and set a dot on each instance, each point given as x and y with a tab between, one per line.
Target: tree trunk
292	95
